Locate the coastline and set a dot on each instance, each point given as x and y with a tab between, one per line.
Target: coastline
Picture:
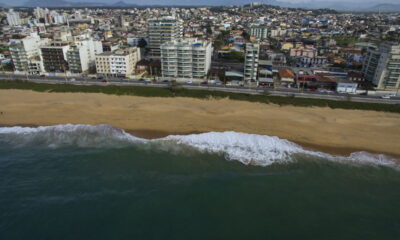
155	134
334	131
340	151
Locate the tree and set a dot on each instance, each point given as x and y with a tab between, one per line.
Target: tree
224	35
218	44
235	56
208	29
142	43
246	36
222	77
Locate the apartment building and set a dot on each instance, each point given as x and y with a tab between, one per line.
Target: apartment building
13	18
189	58
163	30
82	55
251	62
54	56
260	31
119	63
382	66
25	54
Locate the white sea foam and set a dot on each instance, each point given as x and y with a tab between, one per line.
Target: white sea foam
79	135
246	148
252	149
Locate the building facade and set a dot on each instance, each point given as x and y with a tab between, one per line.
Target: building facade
54	56
382	66
25	53
163	30
251	62
119	63
81	55
260	31
187	58
13	18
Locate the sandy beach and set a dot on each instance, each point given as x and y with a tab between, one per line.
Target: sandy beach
330	130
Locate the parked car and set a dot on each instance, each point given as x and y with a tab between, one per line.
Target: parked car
72	79
386	96
104	81
204	83
189	82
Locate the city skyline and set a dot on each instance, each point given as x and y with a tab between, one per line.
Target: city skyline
306	3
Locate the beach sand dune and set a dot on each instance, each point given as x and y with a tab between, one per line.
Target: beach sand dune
331	130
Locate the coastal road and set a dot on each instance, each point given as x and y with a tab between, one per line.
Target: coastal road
234	89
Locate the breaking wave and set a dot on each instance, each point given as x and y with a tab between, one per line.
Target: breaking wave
251	149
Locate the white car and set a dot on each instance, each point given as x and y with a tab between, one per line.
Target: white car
189	82
386	96
72	79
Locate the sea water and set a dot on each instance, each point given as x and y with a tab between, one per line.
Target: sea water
99	182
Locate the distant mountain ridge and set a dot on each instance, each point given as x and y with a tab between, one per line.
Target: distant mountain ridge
385	7
61	3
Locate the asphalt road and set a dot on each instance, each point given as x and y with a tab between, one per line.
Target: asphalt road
272	92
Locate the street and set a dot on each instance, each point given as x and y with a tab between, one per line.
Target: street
235	89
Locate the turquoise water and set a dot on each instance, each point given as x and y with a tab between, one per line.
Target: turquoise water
64	184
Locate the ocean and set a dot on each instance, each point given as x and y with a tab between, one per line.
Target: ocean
99	182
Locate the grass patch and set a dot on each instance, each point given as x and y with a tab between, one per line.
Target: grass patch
200	94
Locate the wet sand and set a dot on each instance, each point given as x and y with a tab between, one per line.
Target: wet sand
335	131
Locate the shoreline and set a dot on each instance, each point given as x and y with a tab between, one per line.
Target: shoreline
333	131
155	134
339	151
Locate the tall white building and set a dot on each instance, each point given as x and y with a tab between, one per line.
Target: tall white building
82	55
25	53
163	30
259	31
13	18
251	62
57	18
119	63
382	66
40	12
187	58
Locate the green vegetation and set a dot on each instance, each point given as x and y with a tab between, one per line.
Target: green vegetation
218	44
234	56
224	35
142	43
175	91
346	40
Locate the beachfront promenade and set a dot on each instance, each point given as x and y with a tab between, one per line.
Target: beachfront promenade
235	89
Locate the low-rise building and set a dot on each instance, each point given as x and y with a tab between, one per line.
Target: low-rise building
119	63
286	76
347	87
